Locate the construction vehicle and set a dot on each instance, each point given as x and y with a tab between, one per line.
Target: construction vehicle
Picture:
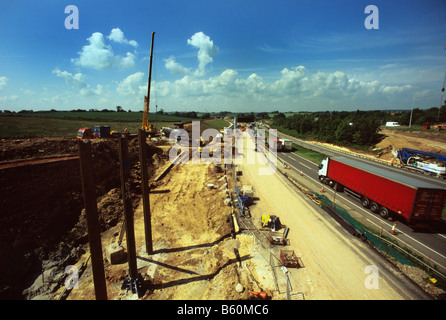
418	160
385	191
145	117
271	221
85	133
94	133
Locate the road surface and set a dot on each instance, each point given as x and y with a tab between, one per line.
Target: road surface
431	244
337	265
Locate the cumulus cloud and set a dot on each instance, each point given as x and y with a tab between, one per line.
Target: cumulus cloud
99	55
3	82
131	84
295	86
117	35
77	81
176	68
206	49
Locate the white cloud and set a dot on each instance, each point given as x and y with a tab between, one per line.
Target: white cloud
3	82
77	81
206	49
295	87
176	68
8	99
117	35
128	61
131	84
395	89
99	55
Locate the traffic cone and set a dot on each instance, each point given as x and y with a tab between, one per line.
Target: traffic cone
259	294
301	172
393	229
322	190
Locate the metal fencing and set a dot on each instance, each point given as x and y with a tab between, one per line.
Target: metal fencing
377	242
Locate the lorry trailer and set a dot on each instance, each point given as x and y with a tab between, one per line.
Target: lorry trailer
384	191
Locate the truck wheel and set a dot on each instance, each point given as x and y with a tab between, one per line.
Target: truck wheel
383	212
365	202
374	207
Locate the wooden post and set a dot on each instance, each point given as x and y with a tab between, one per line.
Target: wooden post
128	209
94	231
145	190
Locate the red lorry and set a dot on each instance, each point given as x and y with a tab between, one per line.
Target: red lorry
385	191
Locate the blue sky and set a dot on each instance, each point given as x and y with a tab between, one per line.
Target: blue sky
242	55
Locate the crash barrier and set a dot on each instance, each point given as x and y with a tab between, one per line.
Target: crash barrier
378	243
386	247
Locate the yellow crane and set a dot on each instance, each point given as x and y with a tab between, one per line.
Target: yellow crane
145	117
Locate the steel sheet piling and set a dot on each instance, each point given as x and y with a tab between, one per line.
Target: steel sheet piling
94	231
128	210
143	154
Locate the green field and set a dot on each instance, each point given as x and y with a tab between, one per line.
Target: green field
103	116
66	124
215	124
311	155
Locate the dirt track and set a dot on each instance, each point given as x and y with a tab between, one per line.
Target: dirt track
427	141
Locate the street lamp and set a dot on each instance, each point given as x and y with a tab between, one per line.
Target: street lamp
441	99
413	99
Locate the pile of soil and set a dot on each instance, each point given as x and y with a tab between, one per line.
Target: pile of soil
29	148
434	142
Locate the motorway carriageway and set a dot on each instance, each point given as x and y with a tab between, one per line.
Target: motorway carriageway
431	245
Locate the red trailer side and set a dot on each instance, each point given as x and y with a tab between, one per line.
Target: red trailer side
415	200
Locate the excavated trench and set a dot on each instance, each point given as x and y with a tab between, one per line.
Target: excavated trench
42	221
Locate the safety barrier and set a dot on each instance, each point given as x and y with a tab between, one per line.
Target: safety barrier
378	243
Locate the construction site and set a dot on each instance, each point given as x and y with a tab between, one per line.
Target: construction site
120	216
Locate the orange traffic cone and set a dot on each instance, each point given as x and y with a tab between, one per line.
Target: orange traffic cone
393	229
259	294
301	172
322	190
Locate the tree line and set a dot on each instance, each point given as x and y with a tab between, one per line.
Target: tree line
359	128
